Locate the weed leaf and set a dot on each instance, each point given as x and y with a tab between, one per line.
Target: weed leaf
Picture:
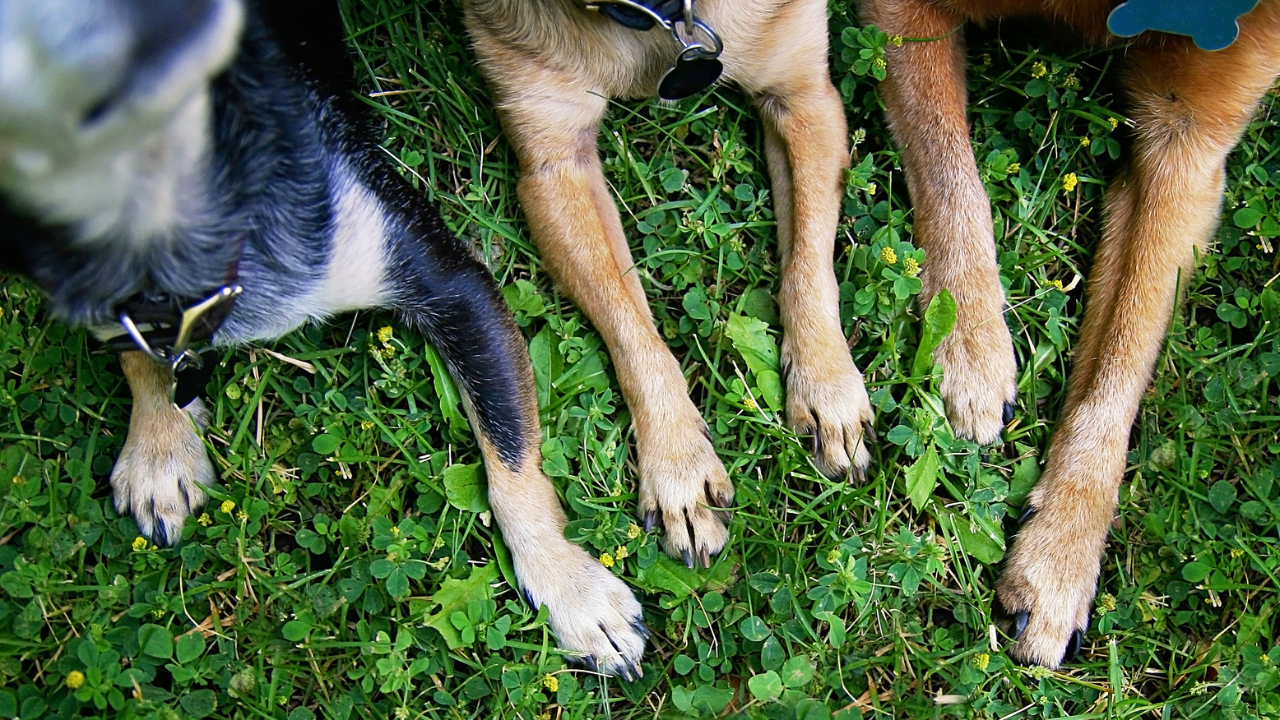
939	319
922	477
464	489
750	337
455	595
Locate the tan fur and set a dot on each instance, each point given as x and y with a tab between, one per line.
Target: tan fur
1189	108
591	610
552	65
163	462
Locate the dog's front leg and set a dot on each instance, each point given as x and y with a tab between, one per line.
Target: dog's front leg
576	226
160	475
1190	108
453	300
807	148
925	98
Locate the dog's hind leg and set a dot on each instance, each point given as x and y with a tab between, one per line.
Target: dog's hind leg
453	300
1189	110
807	148
925	98
575	223
160	475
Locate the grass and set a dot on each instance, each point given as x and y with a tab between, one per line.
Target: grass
832	599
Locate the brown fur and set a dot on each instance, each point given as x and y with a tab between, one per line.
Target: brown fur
1189	108
552	66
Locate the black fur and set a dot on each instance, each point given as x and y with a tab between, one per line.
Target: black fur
286	133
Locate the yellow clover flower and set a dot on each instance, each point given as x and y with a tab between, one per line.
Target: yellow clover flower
75	679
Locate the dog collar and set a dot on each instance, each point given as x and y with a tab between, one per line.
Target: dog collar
169	330
697	66
1210	23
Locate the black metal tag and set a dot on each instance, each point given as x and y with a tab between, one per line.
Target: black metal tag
692	73
190	378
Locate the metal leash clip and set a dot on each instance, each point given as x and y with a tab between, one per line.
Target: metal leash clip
697	66
186	365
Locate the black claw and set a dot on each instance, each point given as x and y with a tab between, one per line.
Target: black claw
639	626
1027	513
624	672
692	536
858	474
1008	413
721	500
1020	623
869	432
529	599
590	663
706	432
650	520
1073	646
688	559
706	558
160	533
817	435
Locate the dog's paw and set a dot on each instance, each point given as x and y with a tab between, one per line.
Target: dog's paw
161	473
686	494
1047	588
591	611
827	401
979	381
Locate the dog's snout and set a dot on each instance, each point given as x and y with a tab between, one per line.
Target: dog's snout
54	51
65	64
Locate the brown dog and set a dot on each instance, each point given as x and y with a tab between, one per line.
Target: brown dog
1189	108
553	65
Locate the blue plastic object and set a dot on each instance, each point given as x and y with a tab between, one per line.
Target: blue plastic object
1210	23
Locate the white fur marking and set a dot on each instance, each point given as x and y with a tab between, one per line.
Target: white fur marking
354	278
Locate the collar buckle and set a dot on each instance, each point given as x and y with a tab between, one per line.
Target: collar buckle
197	321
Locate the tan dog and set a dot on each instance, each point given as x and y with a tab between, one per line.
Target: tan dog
1189	108
553	65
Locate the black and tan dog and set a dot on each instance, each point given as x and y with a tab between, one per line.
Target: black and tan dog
1188	108
158	154
553	65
